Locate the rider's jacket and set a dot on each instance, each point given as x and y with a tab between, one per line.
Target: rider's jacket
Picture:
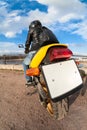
39	37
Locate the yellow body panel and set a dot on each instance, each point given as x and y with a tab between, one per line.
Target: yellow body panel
39	56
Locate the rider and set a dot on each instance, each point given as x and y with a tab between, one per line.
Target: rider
37	37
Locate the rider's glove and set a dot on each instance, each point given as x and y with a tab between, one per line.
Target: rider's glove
26	50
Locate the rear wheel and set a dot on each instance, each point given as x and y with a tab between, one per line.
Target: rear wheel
84	78
58	109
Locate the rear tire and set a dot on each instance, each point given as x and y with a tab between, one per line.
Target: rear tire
84	88
56	109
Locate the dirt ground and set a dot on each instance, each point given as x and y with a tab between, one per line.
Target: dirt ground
19	110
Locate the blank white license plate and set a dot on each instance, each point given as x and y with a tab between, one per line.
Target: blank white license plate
61	78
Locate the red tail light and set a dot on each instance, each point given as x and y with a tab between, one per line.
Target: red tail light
60	53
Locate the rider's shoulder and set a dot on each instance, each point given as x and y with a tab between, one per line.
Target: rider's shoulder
44	27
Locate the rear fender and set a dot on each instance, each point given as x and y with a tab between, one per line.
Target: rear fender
39	56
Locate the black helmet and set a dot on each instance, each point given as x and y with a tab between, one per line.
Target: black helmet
35	23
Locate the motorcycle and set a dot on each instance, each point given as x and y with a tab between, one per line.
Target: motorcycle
56	76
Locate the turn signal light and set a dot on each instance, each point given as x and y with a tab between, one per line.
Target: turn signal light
33	72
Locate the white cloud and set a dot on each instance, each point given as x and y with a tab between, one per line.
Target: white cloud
10	48
59	11
78	48
11	22
65	10
9	34
82	29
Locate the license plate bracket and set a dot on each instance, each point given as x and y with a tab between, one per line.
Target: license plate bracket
62	79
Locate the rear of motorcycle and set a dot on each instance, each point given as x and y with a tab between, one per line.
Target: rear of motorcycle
56	78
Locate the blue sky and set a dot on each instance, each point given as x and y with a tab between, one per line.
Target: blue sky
66	18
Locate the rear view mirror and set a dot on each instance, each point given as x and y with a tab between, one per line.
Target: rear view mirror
20	45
